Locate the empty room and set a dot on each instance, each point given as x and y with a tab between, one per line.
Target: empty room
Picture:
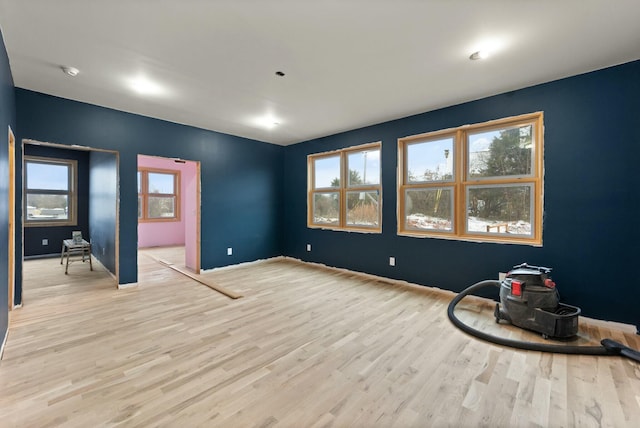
347	213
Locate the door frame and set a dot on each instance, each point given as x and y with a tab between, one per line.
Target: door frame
11	263
30	141
198	207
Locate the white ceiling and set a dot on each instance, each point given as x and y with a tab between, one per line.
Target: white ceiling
348	63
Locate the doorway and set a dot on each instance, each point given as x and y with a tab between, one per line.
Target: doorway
169	206
86	201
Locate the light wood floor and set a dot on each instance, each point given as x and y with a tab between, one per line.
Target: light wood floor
305	347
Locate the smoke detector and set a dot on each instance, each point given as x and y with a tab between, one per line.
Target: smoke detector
71	71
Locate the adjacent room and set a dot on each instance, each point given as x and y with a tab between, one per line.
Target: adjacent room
318	214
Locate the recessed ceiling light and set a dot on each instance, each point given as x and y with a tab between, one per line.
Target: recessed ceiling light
71	71
268	122
144	86
478	55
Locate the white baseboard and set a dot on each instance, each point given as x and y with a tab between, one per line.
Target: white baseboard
6	333
217	269
128	285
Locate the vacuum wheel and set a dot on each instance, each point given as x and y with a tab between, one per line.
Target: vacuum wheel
496	313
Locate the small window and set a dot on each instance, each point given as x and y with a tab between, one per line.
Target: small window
479	182
344	189
50	191
158	195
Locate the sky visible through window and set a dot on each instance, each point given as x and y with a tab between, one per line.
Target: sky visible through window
161	183
367	166
431	159
366	163
326	169
47	176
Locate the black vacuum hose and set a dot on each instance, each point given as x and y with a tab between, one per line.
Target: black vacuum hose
529	346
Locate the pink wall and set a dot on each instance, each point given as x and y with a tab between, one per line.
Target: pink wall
158	234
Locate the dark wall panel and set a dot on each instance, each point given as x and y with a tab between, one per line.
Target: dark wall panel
241	178
591	203
103	200
34	235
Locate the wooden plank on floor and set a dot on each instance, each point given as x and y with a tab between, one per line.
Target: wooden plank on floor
198	278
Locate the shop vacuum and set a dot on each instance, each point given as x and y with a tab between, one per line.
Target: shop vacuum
530	300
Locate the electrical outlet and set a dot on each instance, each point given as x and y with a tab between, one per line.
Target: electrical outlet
229	251
308	247
392	261
45	242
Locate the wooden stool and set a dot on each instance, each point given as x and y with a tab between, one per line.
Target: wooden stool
71	248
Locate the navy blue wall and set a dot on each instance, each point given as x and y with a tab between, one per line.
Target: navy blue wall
33	236
590	232
241	179
103	201
7	119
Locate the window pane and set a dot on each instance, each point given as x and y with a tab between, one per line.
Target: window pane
139	207
43	176
364	167
326	208
47	207
139	182
161	183
499	153
429	209
430	161
504	210
363	208
161	207
327	172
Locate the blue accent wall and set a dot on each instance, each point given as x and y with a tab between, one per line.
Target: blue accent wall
103	202
33	235
7	119
254	194
241	178
591	235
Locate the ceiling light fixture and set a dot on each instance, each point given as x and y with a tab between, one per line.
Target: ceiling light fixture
71	71
478	55
144	86
267	122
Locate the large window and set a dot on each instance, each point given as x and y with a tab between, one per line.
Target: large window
158	195
344	190
50	197
479	182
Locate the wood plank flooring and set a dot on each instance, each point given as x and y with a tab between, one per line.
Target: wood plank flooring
306	347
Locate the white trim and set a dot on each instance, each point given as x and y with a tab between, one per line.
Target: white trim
627	328
217	269
95	260
127	285
371	277
4	341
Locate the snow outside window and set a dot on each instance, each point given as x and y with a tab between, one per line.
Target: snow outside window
479	182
